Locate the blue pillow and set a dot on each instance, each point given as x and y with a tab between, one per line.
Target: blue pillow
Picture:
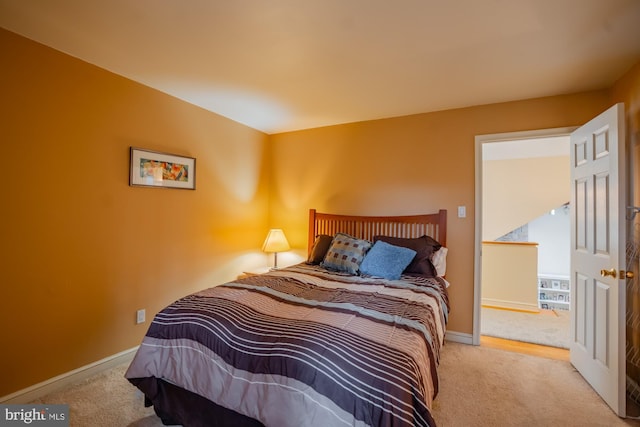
386	261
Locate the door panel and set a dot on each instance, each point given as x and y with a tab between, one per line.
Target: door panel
601	347
580	307
601	219
580	207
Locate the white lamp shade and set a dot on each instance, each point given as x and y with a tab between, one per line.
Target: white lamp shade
275	241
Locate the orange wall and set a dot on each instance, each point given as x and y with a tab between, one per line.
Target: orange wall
405	165
627	90
81	250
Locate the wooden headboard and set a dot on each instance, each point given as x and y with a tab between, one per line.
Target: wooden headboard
365	227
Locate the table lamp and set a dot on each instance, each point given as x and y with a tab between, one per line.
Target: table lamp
275	242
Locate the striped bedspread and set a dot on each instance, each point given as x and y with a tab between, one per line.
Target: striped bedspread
302	346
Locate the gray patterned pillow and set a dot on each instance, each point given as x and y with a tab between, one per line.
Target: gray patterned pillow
346	253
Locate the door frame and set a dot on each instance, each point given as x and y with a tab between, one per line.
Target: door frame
477	261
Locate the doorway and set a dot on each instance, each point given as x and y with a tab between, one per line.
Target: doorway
526	240
505	214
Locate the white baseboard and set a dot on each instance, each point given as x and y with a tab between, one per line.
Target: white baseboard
459	337
51	385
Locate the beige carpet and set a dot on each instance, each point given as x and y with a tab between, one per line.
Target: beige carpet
479	387
547	328
487	387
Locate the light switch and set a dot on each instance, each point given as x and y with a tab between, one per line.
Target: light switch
462	211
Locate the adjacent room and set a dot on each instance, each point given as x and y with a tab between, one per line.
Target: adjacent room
526	240
215	210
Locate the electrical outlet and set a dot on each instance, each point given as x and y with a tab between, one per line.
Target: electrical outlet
140	315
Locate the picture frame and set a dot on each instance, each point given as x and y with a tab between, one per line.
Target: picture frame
564	286
156	169
555	284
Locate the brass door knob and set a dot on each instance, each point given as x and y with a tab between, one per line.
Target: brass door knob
626	274
612	273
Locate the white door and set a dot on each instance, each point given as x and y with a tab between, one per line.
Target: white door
598	201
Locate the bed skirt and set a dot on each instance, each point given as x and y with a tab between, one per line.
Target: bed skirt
187	408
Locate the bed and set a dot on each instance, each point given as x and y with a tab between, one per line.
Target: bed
351	336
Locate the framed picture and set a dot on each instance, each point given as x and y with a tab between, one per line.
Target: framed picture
564	285
555	284
154	169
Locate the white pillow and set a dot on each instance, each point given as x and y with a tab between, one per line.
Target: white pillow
439	260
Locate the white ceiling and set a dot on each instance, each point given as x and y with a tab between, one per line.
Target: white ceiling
280	65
